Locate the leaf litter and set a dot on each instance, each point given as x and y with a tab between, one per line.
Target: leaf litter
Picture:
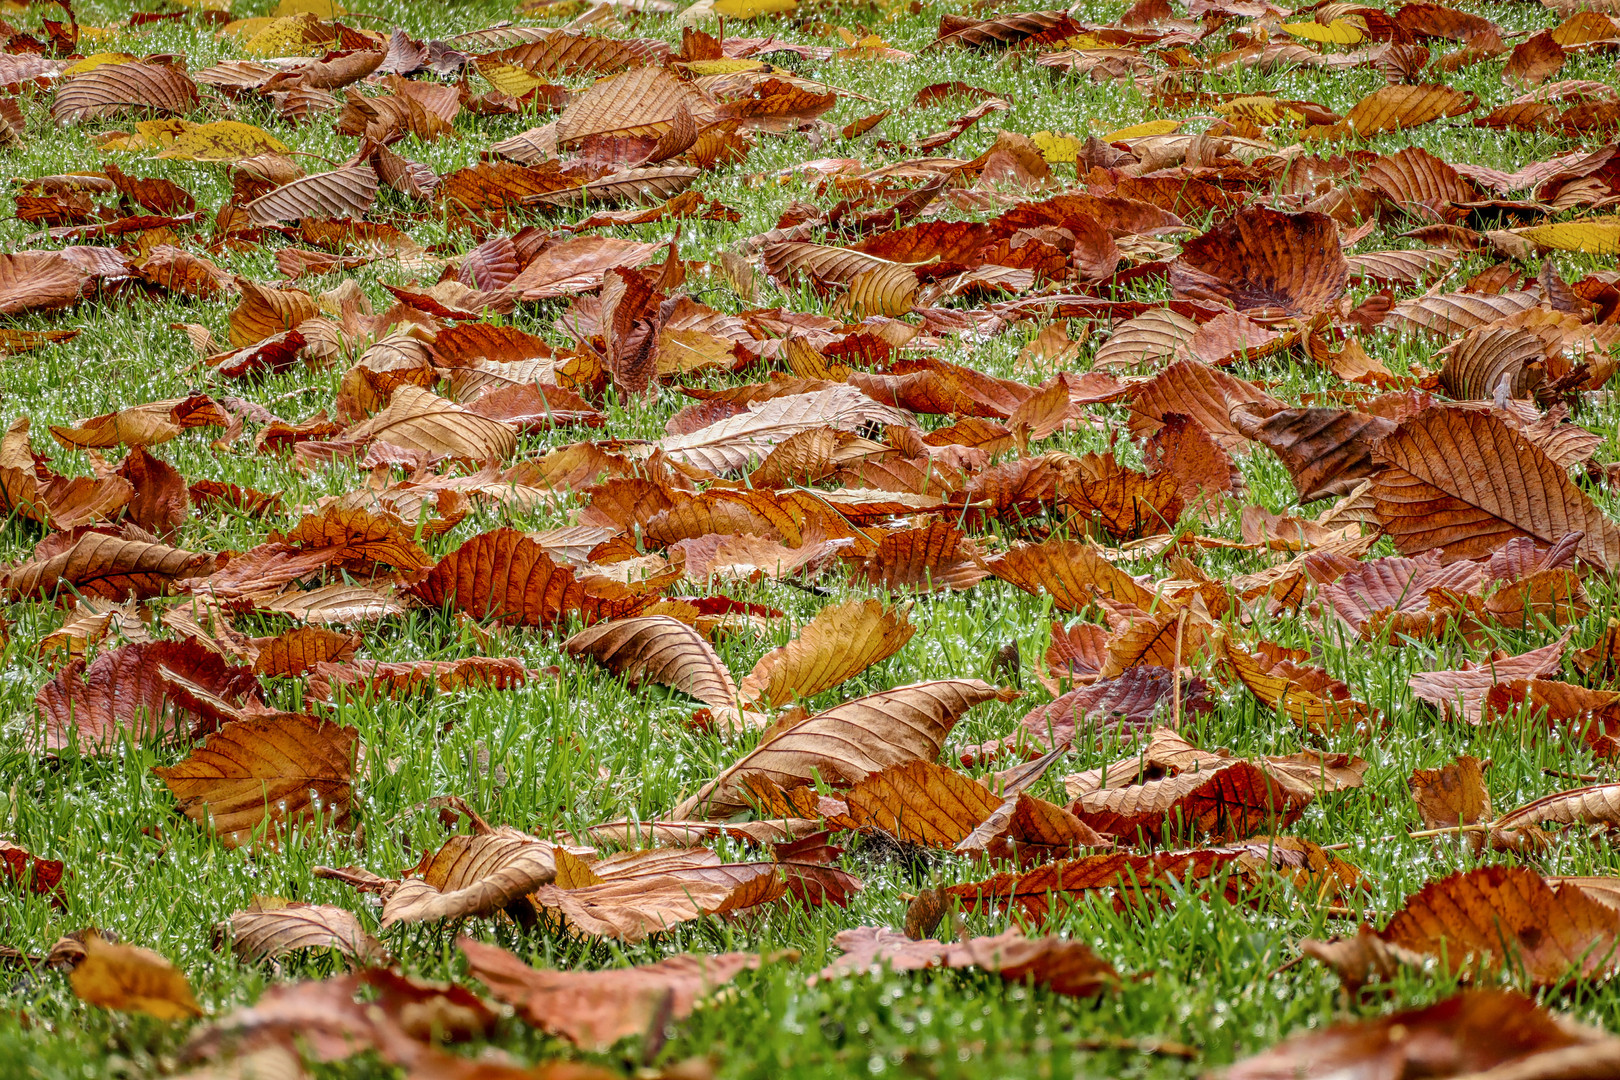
1217	303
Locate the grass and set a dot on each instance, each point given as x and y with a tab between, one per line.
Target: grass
569	753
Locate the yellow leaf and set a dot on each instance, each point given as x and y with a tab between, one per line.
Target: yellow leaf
95	60
752	9
321	9
222	140
723	66
1143	131
1594	236
100	33
129	979
508	78
148	135
1337	32
1057	148
242	29
1260	109
1084	41
295	35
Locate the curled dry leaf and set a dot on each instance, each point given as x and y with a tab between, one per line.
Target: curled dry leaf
921	803
101	565
743	441
842	641
1062	965
1074	573
418	420
372	677
112	89
142	690
268	931
1461	692
595	1009
1452	795
849	742
1126	703
657	648
1307	694
30	873
483	874
1326	451
504	575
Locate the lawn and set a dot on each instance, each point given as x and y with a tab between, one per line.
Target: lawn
1208	975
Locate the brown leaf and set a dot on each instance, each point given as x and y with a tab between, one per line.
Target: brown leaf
140	690
375	678
1073	572
1598	805
341	193
644	101
1038	26
1307	694
842	641
1394	108
1395	592
1461	692
1326	451
849	742
269	931
742	441
132	979
1464	481
933	558
268	772
112	89
505	575
356	538
30	873
481	874
1126	503
1263	260
1477	1033
1228	801
300	650
1501	916
576	266
1534	60
1454	794
264	312
1062	965
1134	875
416	419
1494	361
1126	703
657	648
1203	472
921	803
1201	393
595	1009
